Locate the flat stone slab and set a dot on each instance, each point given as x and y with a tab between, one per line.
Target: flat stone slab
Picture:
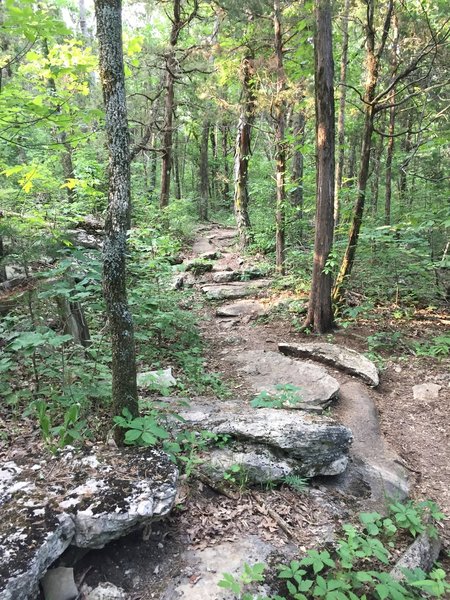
243	308
271	443
266	370
91	499
341	358
237	289
426	391
374	463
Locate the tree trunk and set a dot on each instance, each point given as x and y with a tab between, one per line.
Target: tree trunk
243	150
203	172
372	66
320	312
226	169
171	69
341	116
109	32
280	144
391	129
176	165
297	163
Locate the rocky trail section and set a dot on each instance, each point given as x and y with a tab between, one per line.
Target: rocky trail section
98	497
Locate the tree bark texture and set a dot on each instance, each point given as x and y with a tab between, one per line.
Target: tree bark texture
203	172
280	143
298	131
341	115
109	32
391	129
320	312
167	139
243	150
372	66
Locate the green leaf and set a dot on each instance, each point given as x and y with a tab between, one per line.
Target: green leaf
132	435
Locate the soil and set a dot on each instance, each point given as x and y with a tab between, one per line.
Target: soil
145	565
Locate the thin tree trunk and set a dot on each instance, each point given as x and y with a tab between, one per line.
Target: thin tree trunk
376	173
226	169
297	162
109	32
391	129
2	255
243	150
203	172
82	19
372	66
176	165
341	116
280	144
320	312
171	70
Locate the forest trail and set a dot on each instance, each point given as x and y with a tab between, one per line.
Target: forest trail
210	532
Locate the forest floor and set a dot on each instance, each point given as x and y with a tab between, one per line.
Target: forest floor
210	533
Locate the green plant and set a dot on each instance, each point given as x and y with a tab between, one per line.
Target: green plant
237	475
141	431
250	574
438	347
342	574
416	517
71	430
285	395
297	483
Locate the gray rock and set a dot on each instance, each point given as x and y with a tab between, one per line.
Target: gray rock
375	468
105	591
238	289
276	441
426	391
422	554
266	370
342	358
243	308
161	378
226	276
214	255
116	491
59	584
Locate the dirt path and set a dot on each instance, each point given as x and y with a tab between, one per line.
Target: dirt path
210	533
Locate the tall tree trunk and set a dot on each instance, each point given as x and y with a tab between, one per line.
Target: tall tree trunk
226	169
243	150
391	129
298	131
320	312
203	172
376	173
171	70
372	66
176	168
82	19
109	32
2	255
341	116
280	143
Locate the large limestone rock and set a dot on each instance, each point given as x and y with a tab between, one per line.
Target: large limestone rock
342	358
90	500
243	308
271	443
266	370
235	290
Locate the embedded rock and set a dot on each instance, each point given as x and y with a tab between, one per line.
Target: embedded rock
266	370
243	308
104	591
271	443
341	358
226	276
426	391
90	500
237	289
422	554
161	378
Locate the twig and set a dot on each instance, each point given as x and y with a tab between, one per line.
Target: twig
264	509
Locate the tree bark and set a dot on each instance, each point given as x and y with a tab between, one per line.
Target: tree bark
341	116
226	170
320	312
109	32
203	172
243	150
297	162
391	129
280	143
171	70
372	66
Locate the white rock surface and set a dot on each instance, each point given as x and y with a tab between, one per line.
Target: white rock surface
105	591
161	378
426	391
342	358
115	491
266	370
238	289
